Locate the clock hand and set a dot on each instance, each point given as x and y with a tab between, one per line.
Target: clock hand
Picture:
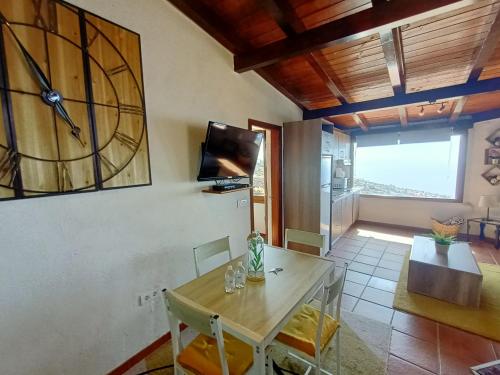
49	95
75	130
35	68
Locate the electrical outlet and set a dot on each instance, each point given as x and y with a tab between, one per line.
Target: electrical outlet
243	203
145	298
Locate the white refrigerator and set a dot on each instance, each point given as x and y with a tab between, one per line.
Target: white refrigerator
326	199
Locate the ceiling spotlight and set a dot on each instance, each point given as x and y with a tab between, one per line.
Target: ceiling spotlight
441	109
422	111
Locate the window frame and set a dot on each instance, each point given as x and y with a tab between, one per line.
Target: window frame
459	187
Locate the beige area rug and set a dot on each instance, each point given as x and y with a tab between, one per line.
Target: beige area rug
483	321
364	350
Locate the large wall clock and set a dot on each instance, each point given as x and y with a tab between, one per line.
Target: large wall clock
72	113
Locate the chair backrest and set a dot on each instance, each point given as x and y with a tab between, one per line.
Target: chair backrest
209	250
330	291
179	310
304	238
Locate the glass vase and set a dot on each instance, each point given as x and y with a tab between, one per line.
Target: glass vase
255	269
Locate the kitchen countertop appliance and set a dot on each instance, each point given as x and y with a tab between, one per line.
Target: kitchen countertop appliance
340	183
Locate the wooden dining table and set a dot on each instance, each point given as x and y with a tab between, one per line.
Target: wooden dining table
256	313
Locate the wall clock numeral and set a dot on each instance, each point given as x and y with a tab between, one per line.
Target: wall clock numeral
113	169
131	109
10	163
51	25
117	70
127	141
64	178
92	39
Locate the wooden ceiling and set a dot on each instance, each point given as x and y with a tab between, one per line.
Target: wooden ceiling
362	63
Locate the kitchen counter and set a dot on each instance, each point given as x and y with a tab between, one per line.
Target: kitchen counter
338	194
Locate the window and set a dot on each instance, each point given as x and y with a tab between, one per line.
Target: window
415	164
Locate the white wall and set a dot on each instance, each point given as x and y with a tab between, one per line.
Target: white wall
259	217
72	266
417	213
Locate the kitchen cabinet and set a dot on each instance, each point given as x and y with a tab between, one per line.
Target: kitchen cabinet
311	150
355	206
345	208
335	137
327	143
346	213
307	175
344	146
336	226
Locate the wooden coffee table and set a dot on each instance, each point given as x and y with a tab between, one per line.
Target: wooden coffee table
454	278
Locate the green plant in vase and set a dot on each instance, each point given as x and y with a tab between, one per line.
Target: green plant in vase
255	269
442	242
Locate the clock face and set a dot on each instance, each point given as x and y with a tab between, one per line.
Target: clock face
73	116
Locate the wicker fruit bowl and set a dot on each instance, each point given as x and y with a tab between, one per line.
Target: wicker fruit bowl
445	229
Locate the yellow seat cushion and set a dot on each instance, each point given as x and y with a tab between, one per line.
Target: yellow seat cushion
201	356
300	332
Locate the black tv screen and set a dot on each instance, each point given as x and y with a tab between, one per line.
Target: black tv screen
229	152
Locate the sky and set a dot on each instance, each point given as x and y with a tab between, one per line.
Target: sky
431	166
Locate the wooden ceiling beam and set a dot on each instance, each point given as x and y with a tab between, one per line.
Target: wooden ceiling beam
387	15
264	73
361	121
487	49
483	56
211	23
218	28
403	116
290	23
464	89
392	46
457	109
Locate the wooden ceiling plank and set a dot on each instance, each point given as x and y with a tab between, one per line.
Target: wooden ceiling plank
463	89
487	49
457	109
387	15
393	52
479	9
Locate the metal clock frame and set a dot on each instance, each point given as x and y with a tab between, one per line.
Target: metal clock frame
9	125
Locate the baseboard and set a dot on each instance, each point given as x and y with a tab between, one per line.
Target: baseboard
135	359
394	226
461	236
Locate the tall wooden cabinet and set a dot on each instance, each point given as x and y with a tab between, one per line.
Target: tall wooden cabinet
311	150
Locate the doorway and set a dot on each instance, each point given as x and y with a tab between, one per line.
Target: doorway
266	196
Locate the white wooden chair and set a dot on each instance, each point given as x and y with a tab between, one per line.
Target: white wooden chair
210	249
305	238
309	334
210	351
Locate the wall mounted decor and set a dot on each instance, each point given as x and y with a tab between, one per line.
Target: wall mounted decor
492	175
494	138
72	113
492	156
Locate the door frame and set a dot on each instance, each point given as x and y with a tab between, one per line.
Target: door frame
276	163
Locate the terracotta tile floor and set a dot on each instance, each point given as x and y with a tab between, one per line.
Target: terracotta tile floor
419	346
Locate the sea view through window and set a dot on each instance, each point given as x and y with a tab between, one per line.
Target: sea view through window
417	170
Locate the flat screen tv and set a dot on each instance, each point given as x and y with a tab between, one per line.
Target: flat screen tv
228	152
